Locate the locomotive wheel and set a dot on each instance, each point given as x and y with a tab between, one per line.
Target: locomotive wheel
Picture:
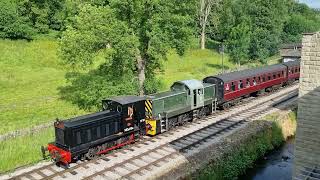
92	153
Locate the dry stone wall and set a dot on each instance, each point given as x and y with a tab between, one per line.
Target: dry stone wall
307	146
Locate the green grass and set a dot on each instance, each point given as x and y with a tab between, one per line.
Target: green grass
195	64
23	150
30	74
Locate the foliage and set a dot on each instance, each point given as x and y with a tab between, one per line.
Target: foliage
239	43
302	19
44	14
270	23
12	25
134	30
236	163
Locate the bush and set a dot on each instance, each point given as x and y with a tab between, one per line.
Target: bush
12	25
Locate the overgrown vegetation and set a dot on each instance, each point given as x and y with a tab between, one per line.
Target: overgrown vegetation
243	157
23	150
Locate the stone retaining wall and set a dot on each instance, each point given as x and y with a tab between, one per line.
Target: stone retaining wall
307	146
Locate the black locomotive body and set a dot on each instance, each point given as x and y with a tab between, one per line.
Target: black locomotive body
120	123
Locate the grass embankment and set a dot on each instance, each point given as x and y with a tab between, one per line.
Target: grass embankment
23	150
30	74
195	64
244	155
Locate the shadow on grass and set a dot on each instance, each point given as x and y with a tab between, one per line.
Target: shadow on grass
87	90
217	66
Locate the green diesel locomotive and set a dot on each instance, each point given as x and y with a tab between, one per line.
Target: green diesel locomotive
185	101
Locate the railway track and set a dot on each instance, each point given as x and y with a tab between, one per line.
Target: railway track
137	160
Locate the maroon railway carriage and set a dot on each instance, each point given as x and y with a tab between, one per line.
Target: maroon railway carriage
231	87
293	70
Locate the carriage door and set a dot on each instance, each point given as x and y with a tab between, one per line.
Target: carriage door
195	97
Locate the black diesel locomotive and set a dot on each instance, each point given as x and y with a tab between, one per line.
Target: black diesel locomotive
119	124
124	119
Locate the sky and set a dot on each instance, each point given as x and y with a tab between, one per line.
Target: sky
311	3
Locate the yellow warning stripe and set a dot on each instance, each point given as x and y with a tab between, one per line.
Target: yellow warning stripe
148	108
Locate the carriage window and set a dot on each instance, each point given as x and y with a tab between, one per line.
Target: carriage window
240	84
233	86
264	79
274	76
279	75
248	82
296	70
254	81
299	69
259	79
269	77
282	73
78	137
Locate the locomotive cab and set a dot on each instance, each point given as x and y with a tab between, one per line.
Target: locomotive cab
131	109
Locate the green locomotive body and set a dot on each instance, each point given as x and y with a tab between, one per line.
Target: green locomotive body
186	100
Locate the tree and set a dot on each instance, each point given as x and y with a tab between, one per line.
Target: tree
128	39
12	25
158	26
43	15
239	43
205	7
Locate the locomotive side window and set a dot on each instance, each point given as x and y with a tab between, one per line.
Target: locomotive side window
116	128
98	132
107	129
78	137
88	135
